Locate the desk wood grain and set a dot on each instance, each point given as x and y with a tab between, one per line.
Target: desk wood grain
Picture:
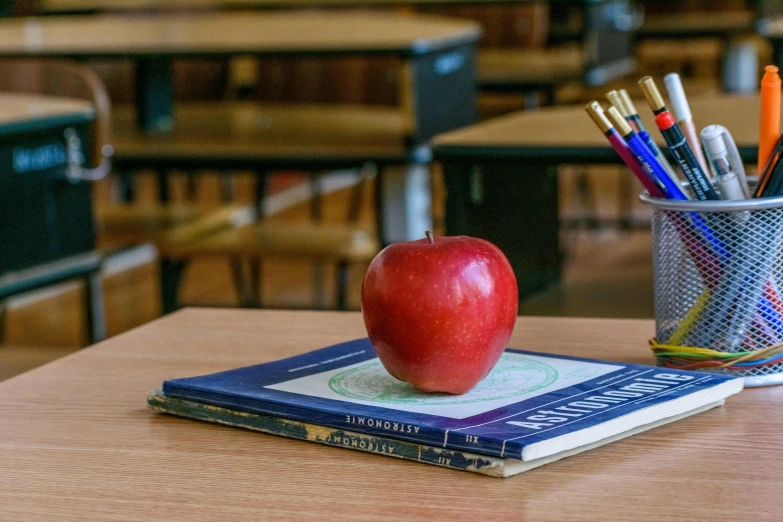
530	66
231	33
63	6
18	108
697	23
567	133
246	131
77	441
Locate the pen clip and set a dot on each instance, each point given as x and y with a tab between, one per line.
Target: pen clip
711	132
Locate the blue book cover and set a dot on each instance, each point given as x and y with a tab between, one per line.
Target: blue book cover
532	405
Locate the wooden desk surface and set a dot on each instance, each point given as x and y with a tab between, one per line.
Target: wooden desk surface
235	132
78	442
17	109
545	67
567	134
232	33
63	6
697	23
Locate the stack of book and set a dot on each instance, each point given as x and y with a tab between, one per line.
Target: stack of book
532	409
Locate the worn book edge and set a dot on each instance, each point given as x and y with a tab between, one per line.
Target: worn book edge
454	459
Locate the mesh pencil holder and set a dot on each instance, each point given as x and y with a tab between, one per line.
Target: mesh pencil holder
718	276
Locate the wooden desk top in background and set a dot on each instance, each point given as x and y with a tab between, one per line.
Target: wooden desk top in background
567	134
81	6
185	34
235	132
696	24
77	440
17	109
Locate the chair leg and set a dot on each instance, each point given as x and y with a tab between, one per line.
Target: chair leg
96	314
318	284
342	285
226	187
125	187
2	321
163	185
192	185
627	189
587	202
316	199
170	278
260	193
255	281
240	285
366	172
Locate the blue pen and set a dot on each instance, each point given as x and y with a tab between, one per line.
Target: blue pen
626	107
671	189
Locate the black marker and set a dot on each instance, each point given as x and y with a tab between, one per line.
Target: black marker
683	155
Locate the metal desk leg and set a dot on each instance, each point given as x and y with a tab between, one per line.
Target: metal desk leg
154	94
515	207
163	185
170	277
126	188
96	315
405	203
439	95
2	321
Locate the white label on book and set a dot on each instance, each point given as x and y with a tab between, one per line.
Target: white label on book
515	378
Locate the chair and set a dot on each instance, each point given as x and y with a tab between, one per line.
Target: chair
65	79
344	244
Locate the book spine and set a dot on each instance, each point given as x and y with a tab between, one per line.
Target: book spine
459	460
365	424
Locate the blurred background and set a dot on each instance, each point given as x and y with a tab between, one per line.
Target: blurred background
258	153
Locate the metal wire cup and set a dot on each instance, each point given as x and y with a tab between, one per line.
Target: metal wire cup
718	275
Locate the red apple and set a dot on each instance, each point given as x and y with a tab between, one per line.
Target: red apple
439	311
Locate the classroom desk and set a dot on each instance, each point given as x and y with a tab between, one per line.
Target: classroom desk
435	47
438	83
46	230
501	175
93	6
45	217
607	50
78	440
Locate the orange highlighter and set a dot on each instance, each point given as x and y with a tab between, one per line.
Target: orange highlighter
769	130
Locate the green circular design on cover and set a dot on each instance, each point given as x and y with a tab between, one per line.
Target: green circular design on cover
513	375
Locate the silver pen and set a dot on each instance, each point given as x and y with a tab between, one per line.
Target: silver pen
725	162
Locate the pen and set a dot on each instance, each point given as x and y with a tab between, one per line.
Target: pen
769	127
682	112
698	247
725	164
690	167
670	188
625	106
772	172
645	157
617	101
683	154
631	108
597	114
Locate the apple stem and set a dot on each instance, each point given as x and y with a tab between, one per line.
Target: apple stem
429	235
